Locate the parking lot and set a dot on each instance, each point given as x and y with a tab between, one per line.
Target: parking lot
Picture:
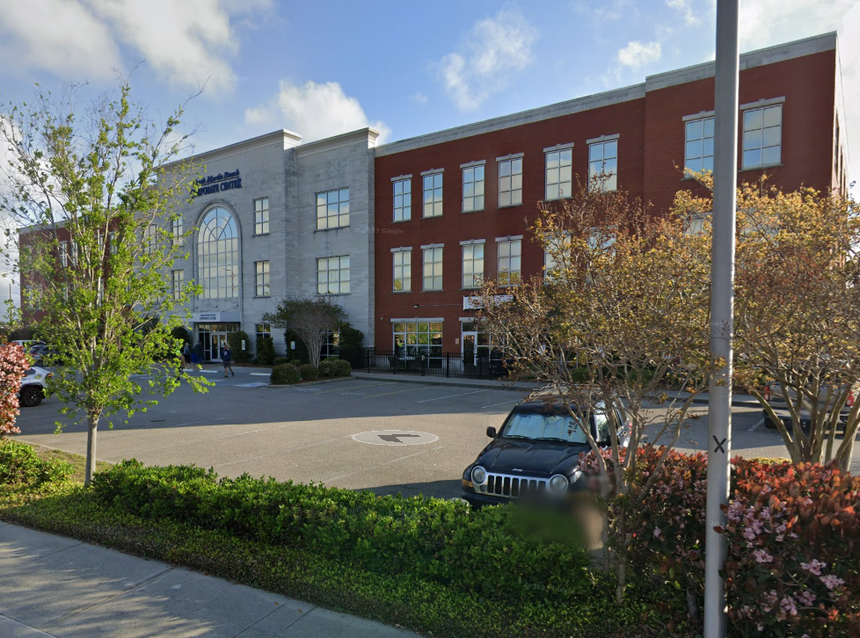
412	437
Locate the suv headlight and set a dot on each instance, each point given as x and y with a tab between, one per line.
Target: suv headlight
479	475
558	484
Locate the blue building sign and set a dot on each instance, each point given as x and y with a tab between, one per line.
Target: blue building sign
216	183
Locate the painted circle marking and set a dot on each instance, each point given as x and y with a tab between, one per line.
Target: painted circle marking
396	438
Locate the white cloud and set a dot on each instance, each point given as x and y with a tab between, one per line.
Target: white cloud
61	36
685	7
419	97
637	54
603	11
494	50
313	110
767	22
185	42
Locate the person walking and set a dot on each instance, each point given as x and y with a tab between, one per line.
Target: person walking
226	359
183	355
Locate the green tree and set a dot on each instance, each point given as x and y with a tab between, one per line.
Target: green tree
618	322
97	198
311	319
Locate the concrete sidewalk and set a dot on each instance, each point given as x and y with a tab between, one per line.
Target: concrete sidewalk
51	586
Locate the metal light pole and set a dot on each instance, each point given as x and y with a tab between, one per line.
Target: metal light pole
722	302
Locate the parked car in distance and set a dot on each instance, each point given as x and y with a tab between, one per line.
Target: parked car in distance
535	454
42	353
33	385
776	398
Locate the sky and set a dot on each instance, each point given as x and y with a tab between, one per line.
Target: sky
325	67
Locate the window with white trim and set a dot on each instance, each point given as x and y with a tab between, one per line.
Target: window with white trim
261	278
261	216
64	254
402	269
263	330
603	164
402	199
762	142
432	268
177	280
433	195
177	231
333	209
218	255
333	275
509	262
699	145
416	338
559	173
511	182
150	242
473	188
473	265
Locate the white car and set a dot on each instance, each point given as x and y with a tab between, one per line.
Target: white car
33	386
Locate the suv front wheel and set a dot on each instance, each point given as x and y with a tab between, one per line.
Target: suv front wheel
31	396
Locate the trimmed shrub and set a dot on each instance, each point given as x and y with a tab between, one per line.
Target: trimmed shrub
342	368
309	372
265	351
334	367
279	361
503	553
235	340
284	374
20	465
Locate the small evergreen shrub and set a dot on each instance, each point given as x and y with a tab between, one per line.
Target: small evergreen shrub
342	368
20	465
309	372
235	339
284	374
265	351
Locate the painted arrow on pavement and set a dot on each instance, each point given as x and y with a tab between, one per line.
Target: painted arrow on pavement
395	438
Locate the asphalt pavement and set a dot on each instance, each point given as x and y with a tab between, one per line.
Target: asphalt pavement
58	587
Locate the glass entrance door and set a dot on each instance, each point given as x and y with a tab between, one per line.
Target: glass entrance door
213	337
219	340
469	348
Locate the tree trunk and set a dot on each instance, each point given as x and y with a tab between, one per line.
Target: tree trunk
92	431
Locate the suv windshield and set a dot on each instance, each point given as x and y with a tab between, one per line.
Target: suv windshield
546	426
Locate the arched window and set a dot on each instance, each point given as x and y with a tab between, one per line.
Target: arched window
218	255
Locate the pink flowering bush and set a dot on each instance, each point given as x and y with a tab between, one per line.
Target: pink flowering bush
13	364
793	565
794	551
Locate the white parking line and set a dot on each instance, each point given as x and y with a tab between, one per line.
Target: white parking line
499	403
758	423
450	396
261	374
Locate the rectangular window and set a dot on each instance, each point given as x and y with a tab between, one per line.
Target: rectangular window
433	195
418	337
402	200
473	265
113	243
559	173
64	253
402	270
473	188
433	268
263	330
511	182
762	137
333	275
333	209
331	345
509	252
74	246
261	216
549	266
261	278
603	165
699	145
176	230
177	280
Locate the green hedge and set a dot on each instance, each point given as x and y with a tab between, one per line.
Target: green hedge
21	466
502	553
283	374
265	351
334	367
309	372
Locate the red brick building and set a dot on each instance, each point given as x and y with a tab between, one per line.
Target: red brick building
452	208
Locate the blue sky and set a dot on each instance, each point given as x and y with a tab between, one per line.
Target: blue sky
324	67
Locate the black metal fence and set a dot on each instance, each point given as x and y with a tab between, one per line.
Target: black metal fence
451	365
